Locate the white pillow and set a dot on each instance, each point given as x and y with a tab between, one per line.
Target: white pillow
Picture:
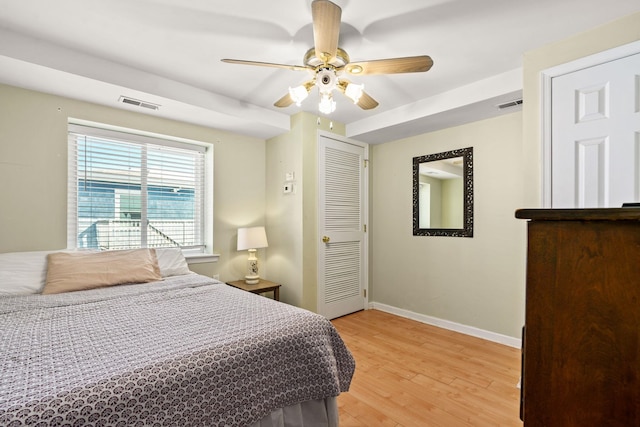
23	272
172	262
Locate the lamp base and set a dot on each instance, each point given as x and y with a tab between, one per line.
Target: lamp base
251	280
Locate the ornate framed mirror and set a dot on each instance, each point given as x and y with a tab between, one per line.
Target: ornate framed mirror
443	194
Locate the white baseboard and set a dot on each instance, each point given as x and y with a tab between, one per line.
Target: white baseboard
446	324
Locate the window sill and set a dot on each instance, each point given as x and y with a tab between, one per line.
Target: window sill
201	258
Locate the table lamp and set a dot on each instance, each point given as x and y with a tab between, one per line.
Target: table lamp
252	238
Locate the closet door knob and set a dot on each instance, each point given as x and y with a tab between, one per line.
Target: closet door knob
326	239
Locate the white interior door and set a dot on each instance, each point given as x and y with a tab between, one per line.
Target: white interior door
342	248
595	135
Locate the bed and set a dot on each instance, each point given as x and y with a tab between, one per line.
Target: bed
185	350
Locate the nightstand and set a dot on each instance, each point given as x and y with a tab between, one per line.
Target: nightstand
262	286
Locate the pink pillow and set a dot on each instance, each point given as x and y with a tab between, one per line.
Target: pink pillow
75	271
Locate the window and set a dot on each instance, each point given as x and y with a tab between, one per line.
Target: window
130	191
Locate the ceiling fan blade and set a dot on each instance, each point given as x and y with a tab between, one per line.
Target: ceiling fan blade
326	28
366	102
410	64
266	64
283	102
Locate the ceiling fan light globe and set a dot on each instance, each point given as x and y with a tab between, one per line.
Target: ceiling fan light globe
298	94
354	92
327	105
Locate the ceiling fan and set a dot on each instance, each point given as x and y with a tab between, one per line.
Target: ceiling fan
329	64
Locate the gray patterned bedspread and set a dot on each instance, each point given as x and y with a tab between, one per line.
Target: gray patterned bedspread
187	351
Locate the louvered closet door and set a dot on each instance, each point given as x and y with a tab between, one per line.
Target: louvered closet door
341	221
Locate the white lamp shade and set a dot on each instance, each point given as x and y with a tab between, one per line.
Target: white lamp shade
251	238
327	105
354	92
298	94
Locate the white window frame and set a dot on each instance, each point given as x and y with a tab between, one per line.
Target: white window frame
193	256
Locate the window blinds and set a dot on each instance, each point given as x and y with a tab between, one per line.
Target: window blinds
129	191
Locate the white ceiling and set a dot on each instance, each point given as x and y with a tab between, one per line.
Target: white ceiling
168	52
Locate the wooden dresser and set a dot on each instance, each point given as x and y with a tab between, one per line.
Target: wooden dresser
581	345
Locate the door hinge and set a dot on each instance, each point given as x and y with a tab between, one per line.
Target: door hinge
365	228
364	293
366	162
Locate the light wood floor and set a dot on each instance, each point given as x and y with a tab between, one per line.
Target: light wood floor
412	374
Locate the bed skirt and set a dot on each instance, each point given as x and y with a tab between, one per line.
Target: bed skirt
312	413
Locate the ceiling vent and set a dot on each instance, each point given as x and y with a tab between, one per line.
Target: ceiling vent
510	104
138	103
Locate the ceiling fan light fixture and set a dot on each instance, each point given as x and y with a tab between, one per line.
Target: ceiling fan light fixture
327	105
326	79
354	92
298	94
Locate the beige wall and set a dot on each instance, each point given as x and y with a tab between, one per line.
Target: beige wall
475	281
284	213
33	171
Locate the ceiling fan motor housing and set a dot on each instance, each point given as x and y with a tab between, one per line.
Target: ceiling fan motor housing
326	79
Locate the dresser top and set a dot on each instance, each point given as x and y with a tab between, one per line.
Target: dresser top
600	214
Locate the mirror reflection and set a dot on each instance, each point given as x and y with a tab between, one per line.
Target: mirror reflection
443	194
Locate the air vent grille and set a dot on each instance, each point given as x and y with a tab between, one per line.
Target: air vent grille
510	104
138	103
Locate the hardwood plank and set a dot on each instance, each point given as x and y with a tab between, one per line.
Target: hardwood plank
355	412
412	374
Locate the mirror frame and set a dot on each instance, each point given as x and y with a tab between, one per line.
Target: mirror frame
467	175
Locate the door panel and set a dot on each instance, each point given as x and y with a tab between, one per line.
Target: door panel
341	222
595	159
